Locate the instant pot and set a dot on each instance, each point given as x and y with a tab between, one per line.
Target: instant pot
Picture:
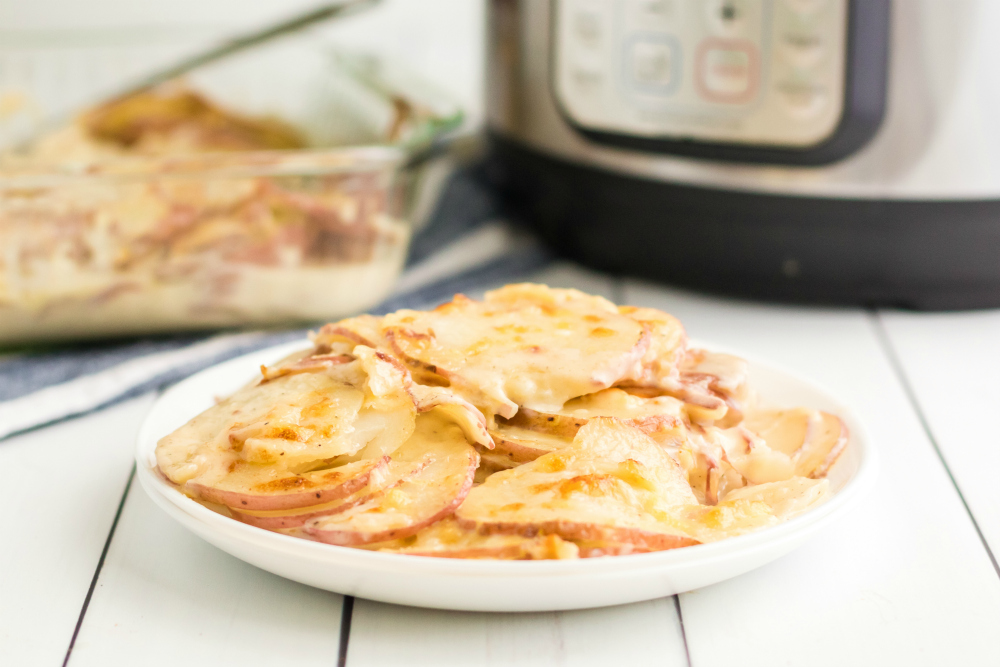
843	151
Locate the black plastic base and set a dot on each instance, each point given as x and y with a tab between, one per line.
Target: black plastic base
928	255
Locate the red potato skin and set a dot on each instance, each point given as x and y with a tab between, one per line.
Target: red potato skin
517	451
559	425
496	459
427	373
655	424
336	330
311	364
348	334
569	530
297	520
348	538
288	501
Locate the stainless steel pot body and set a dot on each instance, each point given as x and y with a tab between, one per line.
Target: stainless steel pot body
835	150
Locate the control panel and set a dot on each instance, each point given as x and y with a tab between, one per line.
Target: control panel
769	73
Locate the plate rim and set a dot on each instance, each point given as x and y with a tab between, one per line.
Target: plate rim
855	488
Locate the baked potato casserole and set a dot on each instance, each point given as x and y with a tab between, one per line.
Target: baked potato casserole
165	210
537	423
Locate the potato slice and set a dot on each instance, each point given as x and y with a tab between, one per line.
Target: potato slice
612	484
495	460
463	413
727	459
706	375
786	499
725	374
525	345
654	416
293	419
361	330
271	432
531	434
423	498
447	539
382	479
667	347
310	363
557	424
754	507
521	445
712	385
242	488
368	330
813	440
364	334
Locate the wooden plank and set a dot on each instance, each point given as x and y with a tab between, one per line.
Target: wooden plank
902	580
639	634
165	597
60	487
952	362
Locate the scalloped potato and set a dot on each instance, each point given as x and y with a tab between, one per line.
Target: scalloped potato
536	424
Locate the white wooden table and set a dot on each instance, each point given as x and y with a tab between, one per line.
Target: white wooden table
93	574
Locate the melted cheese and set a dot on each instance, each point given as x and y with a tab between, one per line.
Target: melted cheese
543	432
523	346
420	499
375	426
448	539
291	423
612	482
754	507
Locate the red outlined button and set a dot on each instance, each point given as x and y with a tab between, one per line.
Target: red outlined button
727	70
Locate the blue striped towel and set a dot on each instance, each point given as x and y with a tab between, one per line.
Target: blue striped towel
464	247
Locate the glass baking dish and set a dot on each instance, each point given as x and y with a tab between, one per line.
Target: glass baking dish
117	243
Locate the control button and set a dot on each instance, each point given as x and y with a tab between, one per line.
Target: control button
802	101
588	29
802	50
727	17
727	70
653	63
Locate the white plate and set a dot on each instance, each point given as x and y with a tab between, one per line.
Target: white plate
495	585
